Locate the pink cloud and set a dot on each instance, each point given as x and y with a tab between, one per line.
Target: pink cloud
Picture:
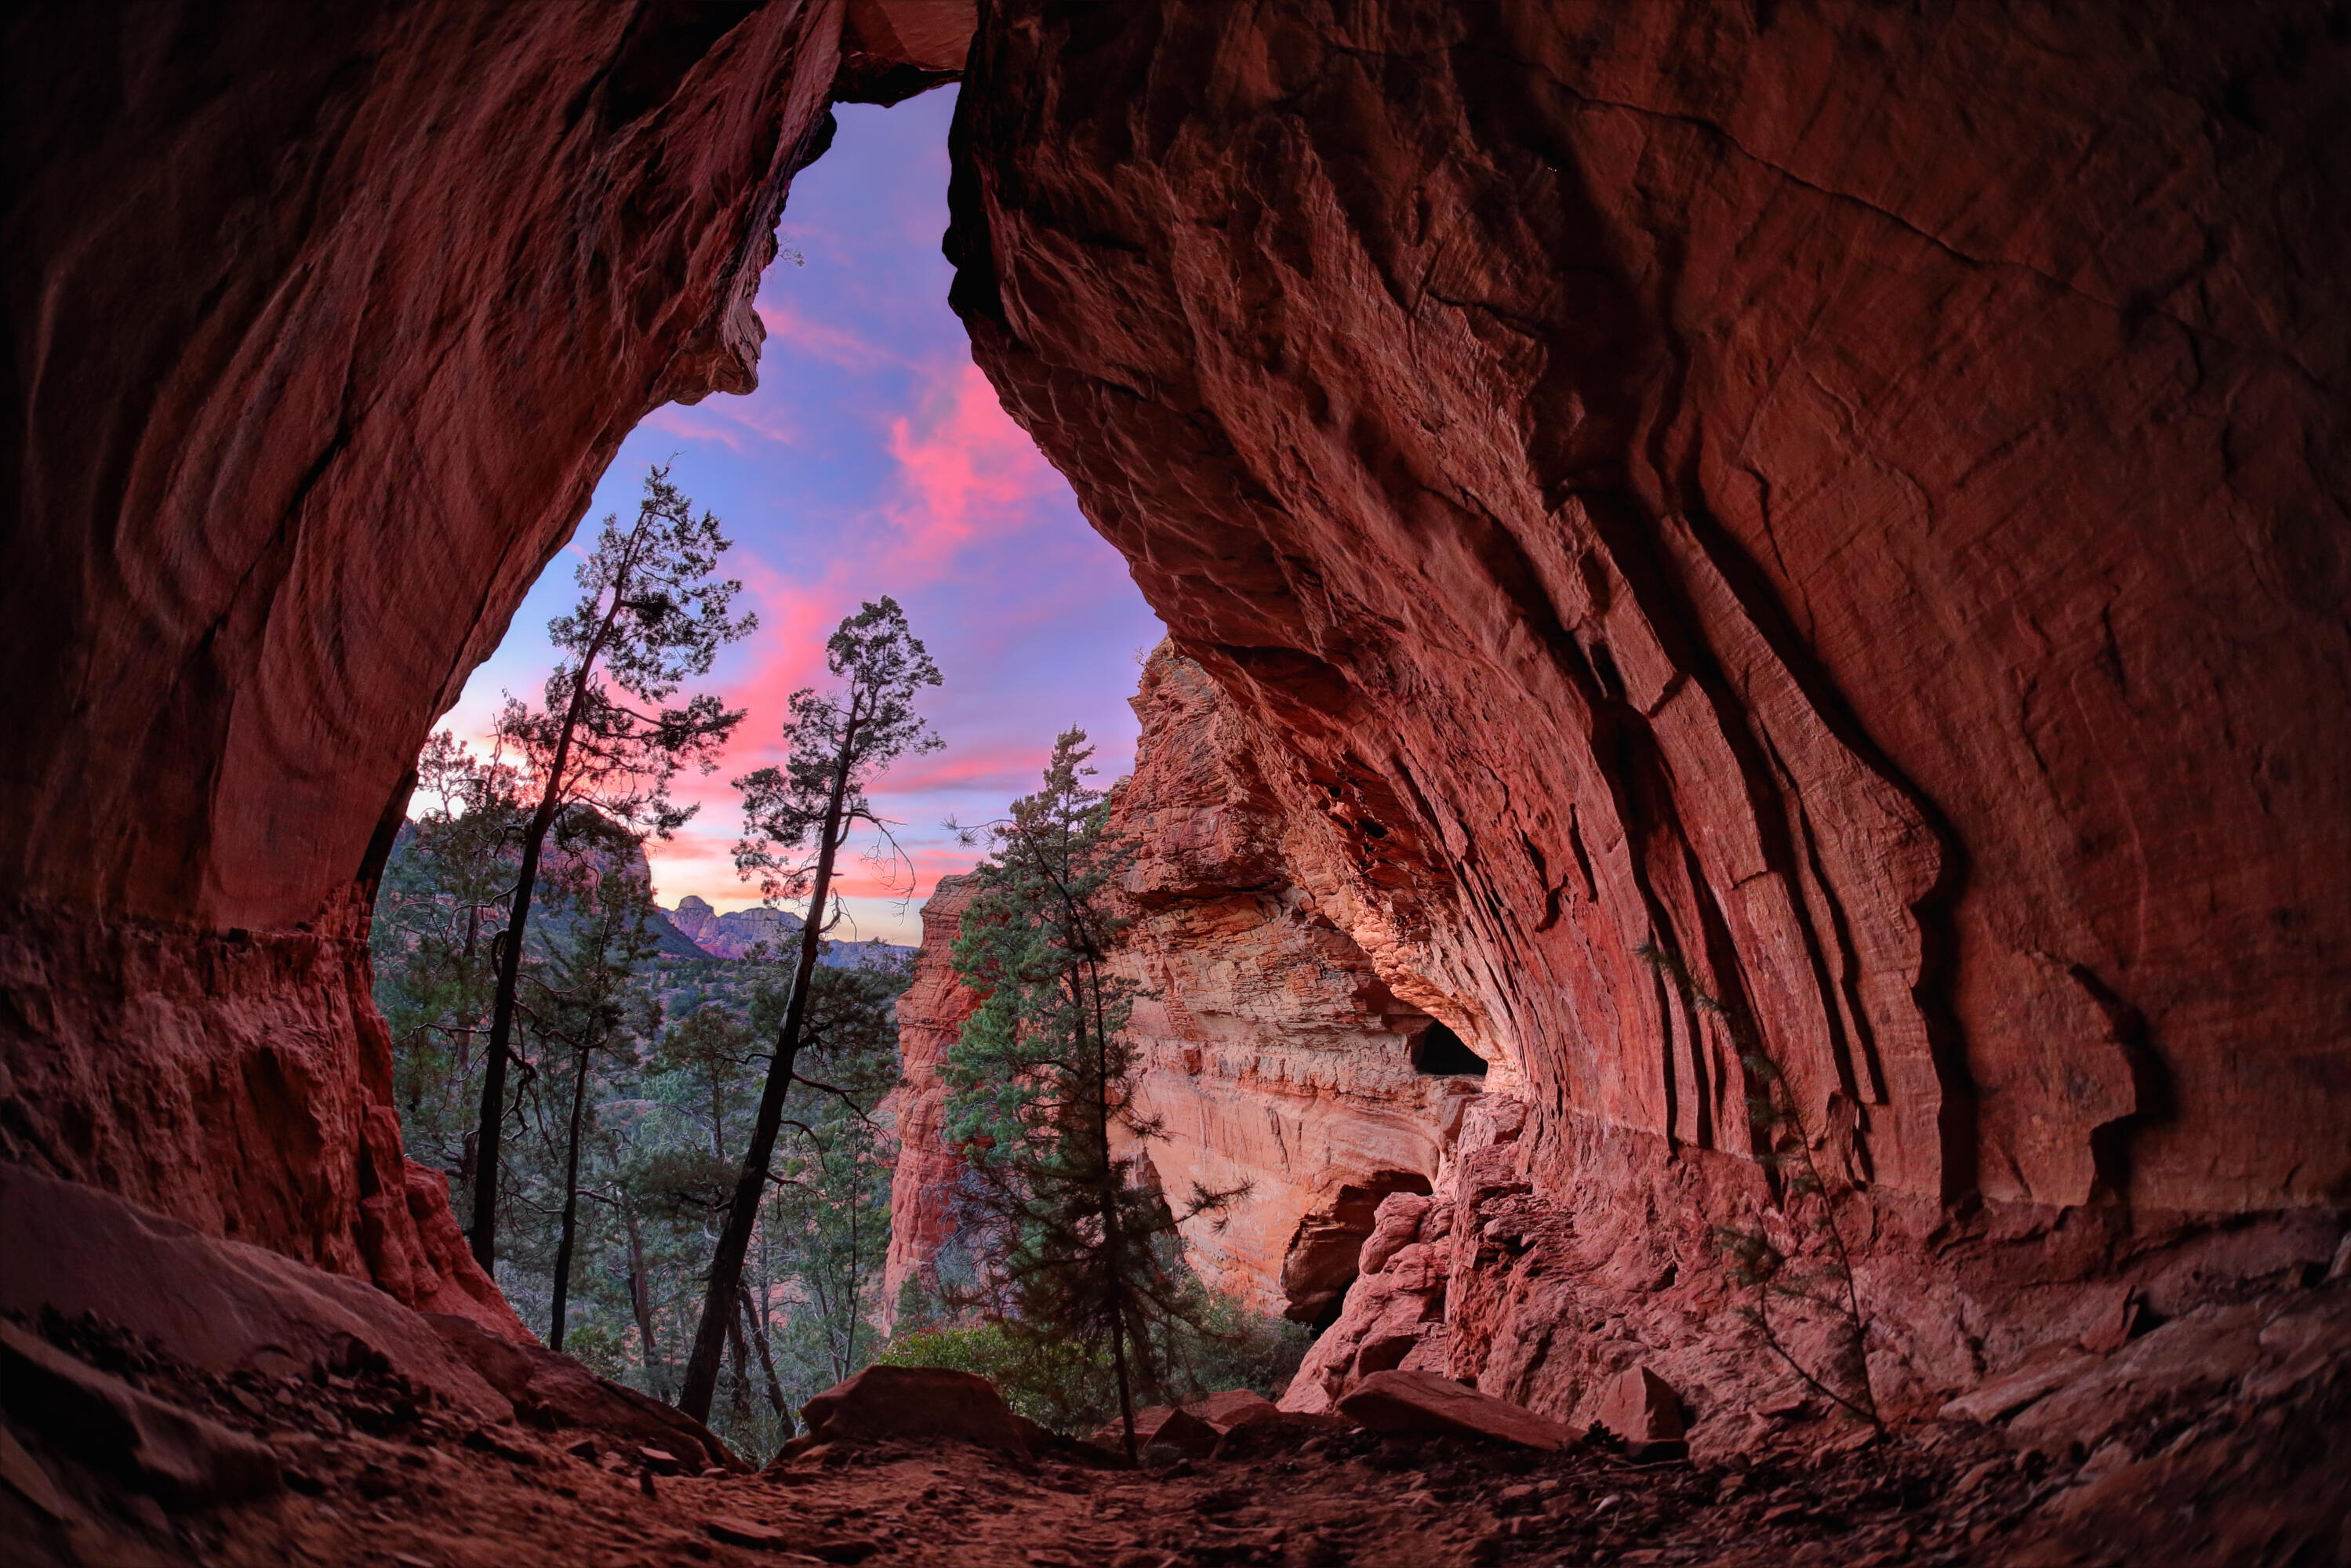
963	467
791	332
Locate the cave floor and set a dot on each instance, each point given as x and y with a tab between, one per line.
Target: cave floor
427	1497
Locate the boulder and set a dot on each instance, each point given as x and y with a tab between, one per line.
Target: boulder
1396	1225
185	1460
1424	1403
1233	1407
1163	1431
917	1403
216	1305
1644	1410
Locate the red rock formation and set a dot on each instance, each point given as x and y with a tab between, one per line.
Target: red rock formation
931	1012
324	322
1272	1052
1824	509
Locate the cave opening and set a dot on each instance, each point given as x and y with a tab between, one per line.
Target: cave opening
1439	1052
872	458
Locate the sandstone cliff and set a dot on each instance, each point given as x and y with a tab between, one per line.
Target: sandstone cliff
1800	509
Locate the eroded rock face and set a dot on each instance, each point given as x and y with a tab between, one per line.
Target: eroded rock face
1273	1054
1846	507
1804	521
323	325
931	1011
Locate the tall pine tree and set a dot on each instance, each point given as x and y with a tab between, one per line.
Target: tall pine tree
652	615
1078	1247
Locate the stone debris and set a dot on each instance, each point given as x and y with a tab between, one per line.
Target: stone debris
1643	1409
175	1455
1425	1403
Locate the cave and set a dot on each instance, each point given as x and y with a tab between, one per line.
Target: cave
1437	1052
1784	554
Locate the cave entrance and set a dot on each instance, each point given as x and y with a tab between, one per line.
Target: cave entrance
1439	1052
1320	1263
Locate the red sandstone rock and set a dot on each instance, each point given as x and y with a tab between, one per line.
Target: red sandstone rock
175	1454
931	1011
1422	1402
1846	501
274	498
1166	1428
218	1306
1233	1407
1641	1408
1273	1053
550	1389
1394	1227
915	1402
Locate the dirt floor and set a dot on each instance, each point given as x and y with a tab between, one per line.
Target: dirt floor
421	1495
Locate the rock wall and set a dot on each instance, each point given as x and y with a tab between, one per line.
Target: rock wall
323	323
931	1011
1274	1057
1834	512
1808	525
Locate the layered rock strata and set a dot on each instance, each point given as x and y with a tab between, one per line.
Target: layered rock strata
931	1011
1272	1055
1790	542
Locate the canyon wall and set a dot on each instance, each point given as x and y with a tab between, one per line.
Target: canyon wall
323	323
1272	1056
1805	540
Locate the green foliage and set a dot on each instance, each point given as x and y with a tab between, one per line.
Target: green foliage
654	614
666	1111
1072	1388
1081	1253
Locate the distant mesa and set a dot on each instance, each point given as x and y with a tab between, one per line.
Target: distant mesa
735	934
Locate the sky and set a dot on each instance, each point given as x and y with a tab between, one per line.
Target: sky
872	459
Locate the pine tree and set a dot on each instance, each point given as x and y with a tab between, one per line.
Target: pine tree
1041	1094
652	615
797	818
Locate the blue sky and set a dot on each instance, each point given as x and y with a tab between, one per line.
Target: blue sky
872	459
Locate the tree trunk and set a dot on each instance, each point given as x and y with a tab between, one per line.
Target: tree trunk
752	1318
741	1359
571	1206
640	1300
1111	1240
492	1121
751	1186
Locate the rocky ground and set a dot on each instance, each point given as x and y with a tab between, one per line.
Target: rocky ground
372	1474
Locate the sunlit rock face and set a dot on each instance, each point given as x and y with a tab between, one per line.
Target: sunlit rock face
931	1011
326	321
1809	521
1274	1058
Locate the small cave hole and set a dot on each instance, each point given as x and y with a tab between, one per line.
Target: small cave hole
1437	1052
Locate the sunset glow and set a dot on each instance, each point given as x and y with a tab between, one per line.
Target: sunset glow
872	459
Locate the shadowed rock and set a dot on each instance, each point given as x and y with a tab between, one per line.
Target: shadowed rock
1422	1403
